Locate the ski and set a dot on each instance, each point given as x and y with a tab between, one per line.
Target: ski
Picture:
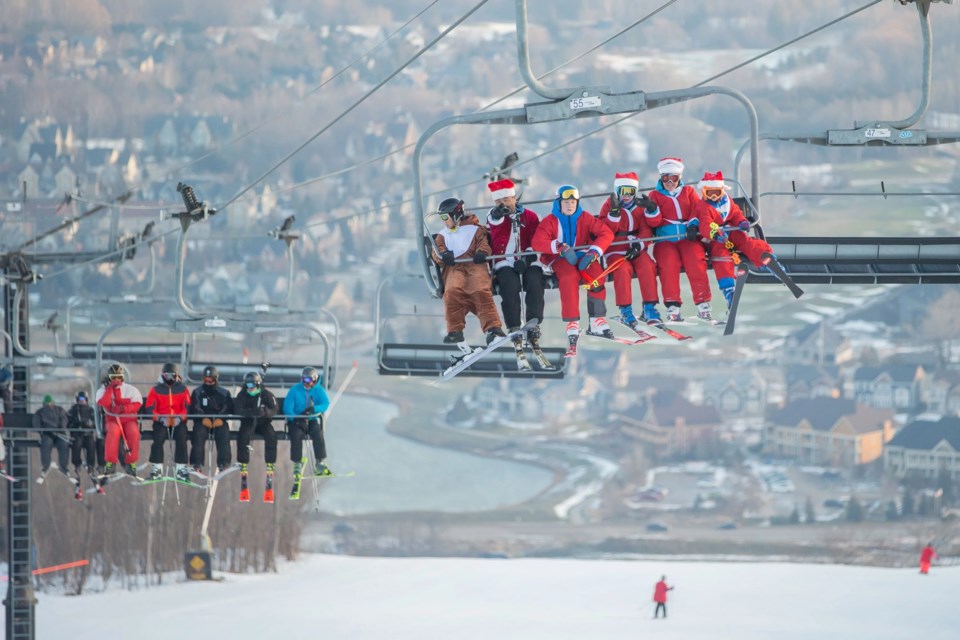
741	281
297	477
6	476
244	489
522	363
676	335
713	322
347	474
771	262
542	360
644	335
220	475
199	474
621	340
268	490
468	359
169	479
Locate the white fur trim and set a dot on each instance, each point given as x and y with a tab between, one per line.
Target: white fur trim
504	193
670	166
716	184
599	251
553	247
626	182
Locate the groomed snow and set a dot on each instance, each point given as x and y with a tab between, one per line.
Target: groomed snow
464	599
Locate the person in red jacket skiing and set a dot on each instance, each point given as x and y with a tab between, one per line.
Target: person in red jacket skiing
169	400
511	227
571	241
677	244
630	217
926	557
724	227
120	402
660	596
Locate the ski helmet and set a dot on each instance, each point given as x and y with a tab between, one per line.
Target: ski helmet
568	192
252	381
115	372
451	208
211	372
310	376
170	373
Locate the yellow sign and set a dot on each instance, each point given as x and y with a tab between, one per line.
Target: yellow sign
197	565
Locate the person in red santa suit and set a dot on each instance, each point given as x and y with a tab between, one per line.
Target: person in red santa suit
724	227
462	251
511	228
630	217
571	241
120	402
677	240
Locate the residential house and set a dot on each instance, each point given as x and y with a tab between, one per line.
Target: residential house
925	448
940	392
834	431
740	396
812	381
887	386
815	344
672	425
29	182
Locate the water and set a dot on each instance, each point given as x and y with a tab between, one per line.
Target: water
395	474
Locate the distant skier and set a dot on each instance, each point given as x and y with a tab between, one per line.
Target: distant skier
304	406
660	596
169	400
926	557
466	284
213	402
257	405
80	421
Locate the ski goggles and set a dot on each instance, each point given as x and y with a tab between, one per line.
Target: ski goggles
570	193
444	216
115	376
713	193
308	381
169	377
626	192
250	385
669	177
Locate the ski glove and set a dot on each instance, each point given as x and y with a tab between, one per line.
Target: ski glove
568	254
588	259
636	248
479	257
614	206
447	257
520	266
498	212
693	231
647	203
744	226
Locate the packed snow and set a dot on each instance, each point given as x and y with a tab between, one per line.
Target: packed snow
325	596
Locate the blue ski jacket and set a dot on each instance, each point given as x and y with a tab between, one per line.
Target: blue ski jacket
299	398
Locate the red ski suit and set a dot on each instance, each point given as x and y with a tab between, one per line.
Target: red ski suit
590	232
660	592
726	213
502	239
926	557
676	212
120	404
633	223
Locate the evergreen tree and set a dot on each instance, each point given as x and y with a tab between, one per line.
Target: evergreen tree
795	515
854	510
908	504
891	513
809	514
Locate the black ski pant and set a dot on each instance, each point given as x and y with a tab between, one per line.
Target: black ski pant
299	429
85	444
511	284
49	440
660	606
160	434
199	436
250	426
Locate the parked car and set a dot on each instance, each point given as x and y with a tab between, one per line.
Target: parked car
657	527
833	503
728	525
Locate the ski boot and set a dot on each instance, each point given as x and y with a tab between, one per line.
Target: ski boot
650	313
43	474
297	476
495	333
673	313
183	473
322	470
244	490
156	472
573	335
131	469
453	337
268	490
599	327
703	312
627	317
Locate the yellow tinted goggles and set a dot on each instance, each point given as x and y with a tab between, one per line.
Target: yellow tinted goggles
570	194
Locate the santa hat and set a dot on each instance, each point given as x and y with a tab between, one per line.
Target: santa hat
712	180
670	166
626	180
502	189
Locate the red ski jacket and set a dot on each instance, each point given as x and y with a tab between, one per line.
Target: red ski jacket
660	592
168	400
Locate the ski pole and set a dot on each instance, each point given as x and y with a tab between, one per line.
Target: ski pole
595	284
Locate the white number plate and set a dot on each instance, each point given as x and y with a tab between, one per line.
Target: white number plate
585	103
